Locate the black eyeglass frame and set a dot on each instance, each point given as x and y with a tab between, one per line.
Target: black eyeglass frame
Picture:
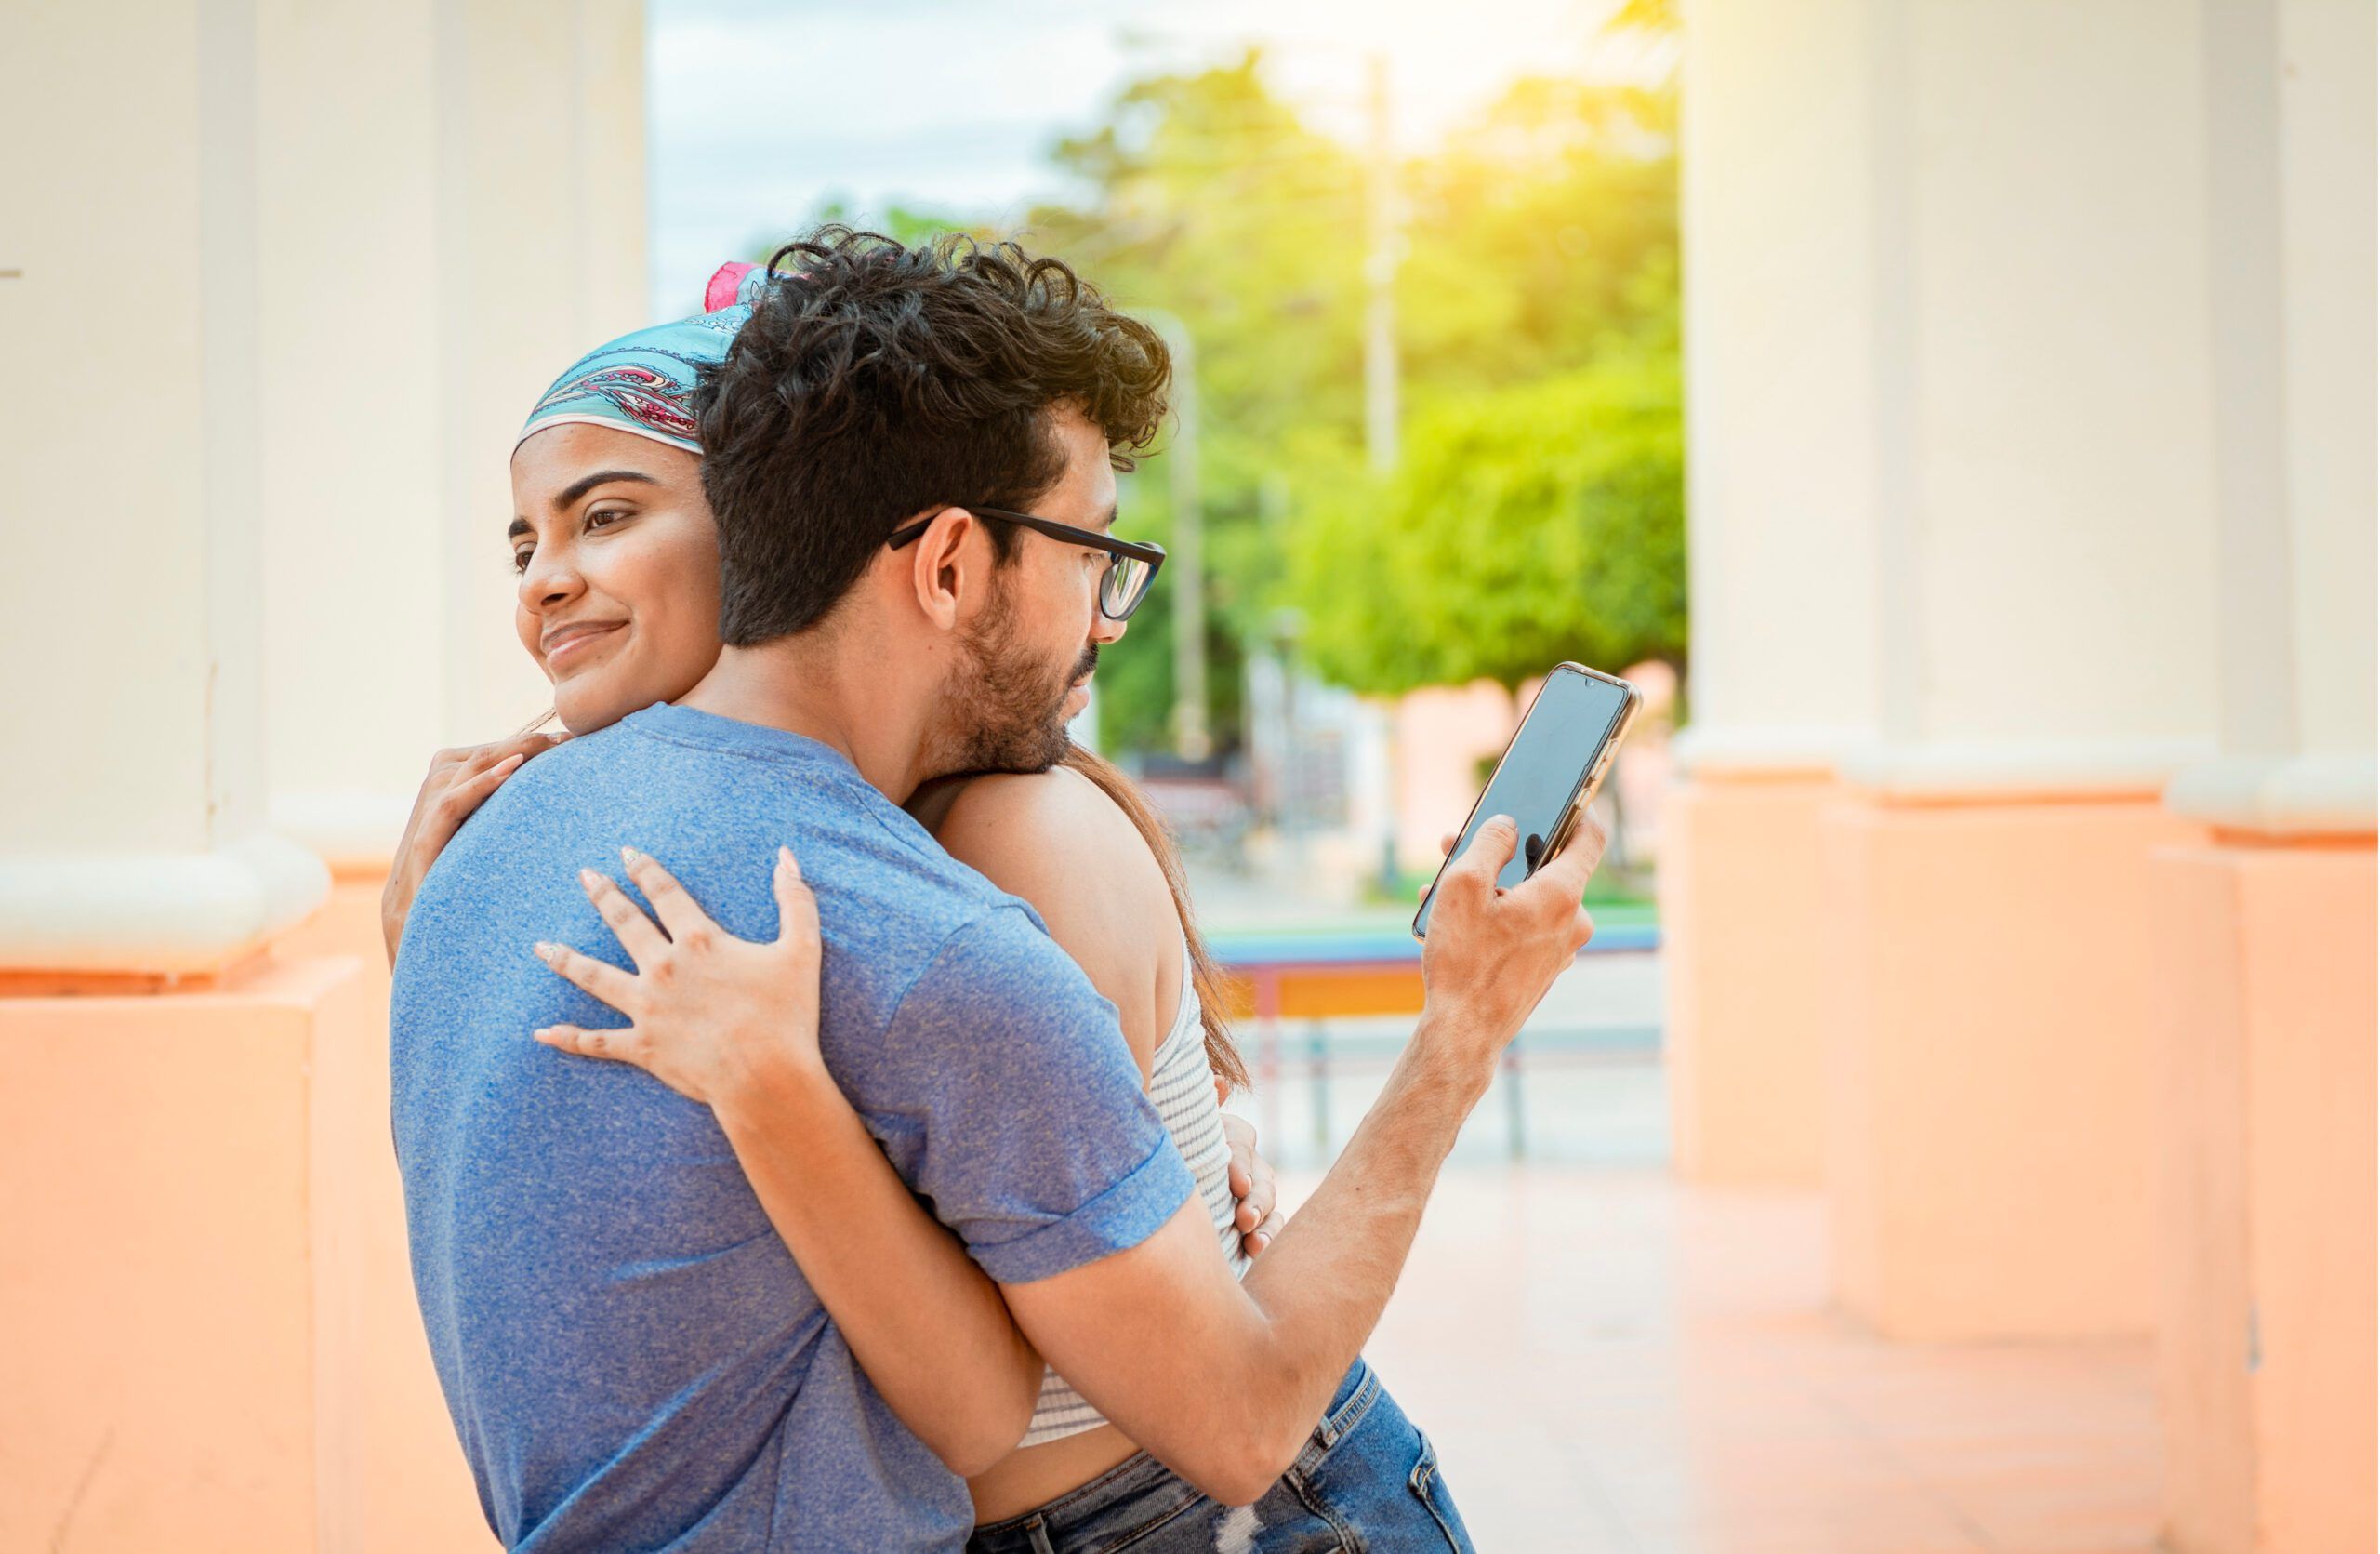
1149	554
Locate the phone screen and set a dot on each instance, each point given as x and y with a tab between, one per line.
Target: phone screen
1542	770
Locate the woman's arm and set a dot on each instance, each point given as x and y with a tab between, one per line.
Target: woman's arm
459	781
925	1324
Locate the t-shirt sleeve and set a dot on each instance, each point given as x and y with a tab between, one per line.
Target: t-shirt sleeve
1016	1108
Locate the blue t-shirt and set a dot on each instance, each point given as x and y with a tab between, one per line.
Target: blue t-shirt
632	1359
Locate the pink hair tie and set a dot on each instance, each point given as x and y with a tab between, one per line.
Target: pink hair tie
720	292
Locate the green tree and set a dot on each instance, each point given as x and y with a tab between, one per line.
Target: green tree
1535	515
1538	513
1527	525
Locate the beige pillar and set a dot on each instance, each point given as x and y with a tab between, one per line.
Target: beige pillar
1782	386
2268	1160
1954	580
135	837
453	211
2044	606
291	280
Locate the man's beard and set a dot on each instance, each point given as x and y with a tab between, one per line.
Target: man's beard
1005	711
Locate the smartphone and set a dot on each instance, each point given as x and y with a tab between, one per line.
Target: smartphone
1550	771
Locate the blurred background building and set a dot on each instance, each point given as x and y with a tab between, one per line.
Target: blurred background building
1961	1134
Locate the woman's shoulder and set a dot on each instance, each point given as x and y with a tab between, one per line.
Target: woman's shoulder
1054	839
1056	821
1061	844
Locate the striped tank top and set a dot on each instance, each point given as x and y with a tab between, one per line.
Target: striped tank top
1182	1089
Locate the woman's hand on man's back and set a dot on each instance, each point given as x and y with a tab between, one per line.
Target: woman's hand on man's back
459	781
719	1019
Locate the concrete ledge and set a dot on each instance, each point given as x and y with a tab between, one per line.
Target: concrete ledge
2001	771
2305	795
167	914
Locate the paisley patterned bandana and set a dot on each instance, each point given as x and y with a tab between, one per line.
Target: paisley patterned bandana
644	382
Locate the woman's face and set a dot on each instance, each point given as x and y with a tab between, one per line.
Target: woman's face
618	560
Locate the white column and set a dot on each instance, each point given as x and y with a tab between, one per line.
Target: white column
1950	392
353	488
2290	227
454	209
133	837
1778	194
2045	590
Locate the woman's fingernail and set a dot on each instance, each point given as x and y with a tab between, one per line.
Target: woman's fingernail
589	878
544	951
631	857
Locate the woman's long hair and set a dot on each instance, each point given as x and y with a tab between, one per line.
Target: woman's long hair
1206	976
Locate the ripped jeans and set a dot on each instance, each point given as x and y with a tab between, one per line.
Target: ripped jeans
1367	1479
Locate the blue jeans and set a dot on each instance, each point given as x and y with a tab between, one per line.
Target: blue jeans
1367	1479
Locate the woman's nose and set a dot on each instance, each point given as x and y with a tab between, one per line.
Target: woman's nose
549	581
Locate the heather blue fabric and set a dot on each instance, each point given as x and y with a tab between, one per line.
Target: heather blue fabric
632	1359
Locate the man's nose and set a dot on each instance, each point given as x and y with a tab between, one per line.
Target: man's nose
1103	631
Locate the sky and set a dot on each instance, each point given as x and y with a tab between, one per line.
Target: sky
760	110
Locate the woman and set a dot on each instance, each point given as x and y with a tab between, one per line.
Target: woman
618	604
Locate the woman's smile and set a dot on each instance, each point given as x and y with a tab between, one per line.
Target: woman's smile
569	643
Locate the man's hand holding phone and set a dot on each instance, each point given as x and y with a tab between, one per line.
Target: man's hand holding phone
1493	952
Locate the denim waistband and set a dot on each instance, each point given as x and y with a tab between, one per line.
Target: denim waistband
1353	1399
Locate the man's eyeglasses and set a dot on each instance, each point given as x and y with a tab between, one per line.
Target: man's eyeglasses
1131	567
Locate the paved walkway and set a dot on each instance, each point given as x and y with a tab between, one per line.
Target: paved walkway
1608	1361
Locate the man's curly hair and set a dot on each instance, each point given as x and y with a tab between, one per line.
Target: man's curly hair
875	380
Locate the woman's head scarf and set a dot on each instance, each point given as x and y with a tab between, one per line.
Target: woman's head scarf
644	382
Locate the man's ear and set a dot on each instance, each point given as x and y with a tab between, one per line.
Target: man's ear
943	565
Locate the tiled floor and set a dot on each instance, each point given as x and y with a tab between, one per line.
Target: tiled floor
1610	1361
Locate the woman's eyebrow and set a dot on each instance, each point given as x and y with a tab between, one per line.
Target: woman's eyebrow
584	483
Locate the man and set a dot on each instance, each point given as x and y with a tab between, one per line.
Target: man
635	1360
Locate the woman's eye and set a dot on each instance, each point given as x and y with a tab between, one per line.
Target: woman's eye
605	518
521	557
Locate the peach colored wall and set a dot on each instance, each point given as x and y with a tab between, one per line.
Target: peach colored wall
2202	1208
157	1277
1988	1012
214	1343
2269	1201
1745	1047
1442	736
2306	940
